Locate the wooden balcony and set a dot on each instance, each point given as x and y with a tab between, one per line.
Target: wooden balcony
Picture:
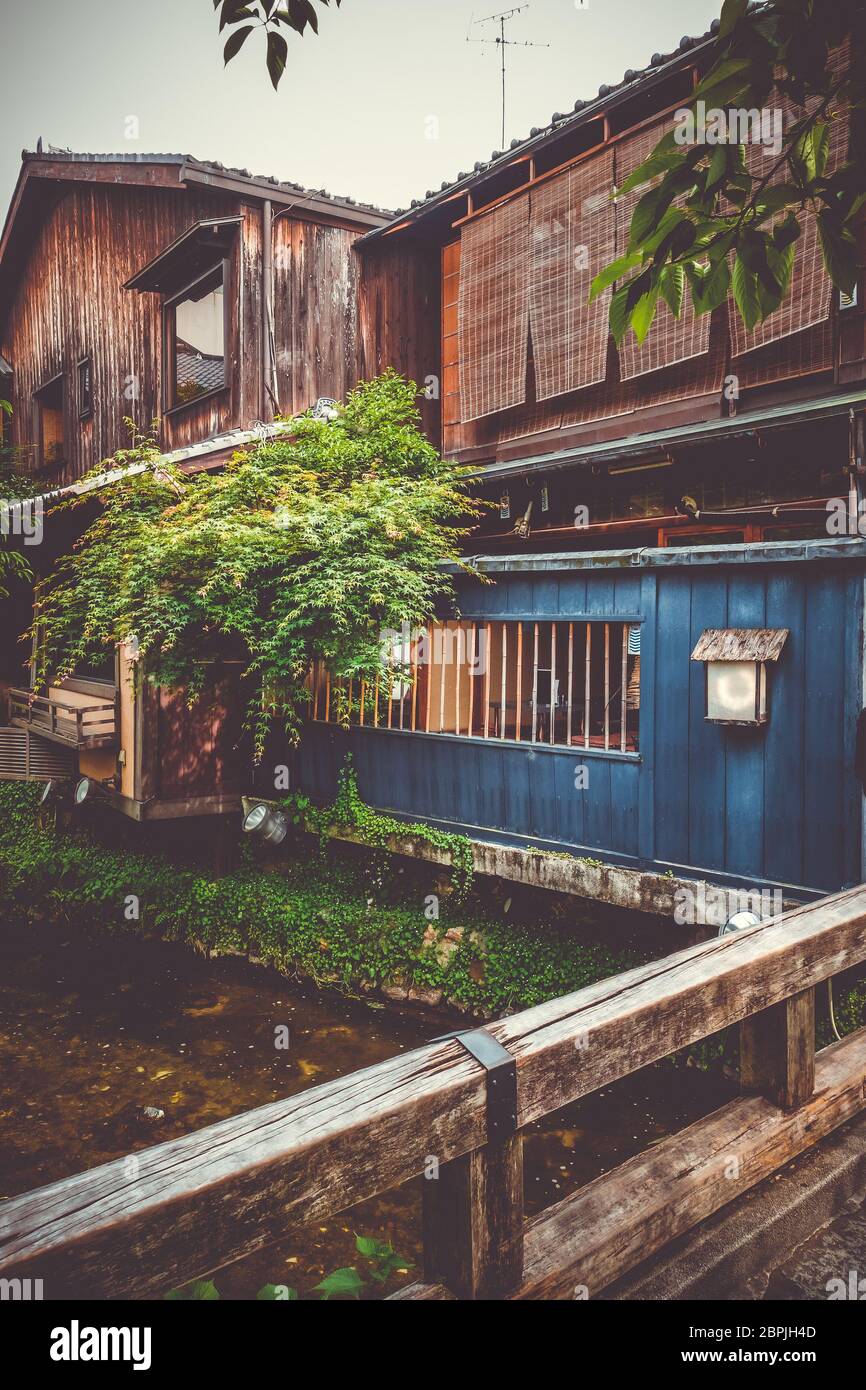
66	717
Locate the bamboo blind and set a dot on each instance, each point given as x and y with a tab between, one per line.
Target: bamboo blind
809	297
494	310
572	238
670	339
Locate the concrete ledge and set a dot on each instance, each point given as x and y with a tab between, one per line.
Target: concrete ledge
732	1254
592	879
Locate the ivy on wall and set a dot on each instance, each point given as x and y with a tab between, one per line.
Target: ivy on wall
350	812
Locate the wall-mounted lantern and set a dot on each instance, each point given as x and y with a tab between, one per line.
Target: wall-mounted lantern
736	660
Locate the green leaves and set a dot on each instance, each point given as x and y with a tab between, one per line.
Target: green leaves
745	287
732	13
304	548
710	223
343	1283
840	251
202	1291
278	52
235	42
615	271
298	15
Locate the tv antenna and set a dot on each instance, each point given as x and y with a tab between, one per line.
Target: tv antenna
502	43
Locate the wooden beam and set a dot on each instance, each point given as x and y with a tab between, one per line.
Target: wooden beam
584	1243
777	1051
474	1222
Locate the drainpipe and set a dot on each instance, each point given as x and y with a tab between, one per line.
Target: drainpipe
267	404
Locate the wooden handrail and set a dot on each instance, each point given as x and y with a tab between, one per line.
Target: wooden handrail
187	1207
46	713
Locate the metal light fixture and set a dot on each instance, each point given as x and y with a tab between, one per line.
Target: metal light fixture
268	823
736	661
739	922
84	791
49	792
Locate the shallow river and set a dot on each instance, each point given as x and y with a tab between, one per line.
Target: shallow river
93	1032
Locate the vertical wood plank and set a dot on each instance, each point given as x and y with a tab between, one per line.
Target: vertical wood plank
503	689
535	684
472	645
552	682
568	726
443	629
487	682
607	687
519	697
430	640
777	1051
473	1222
415	684
588	691
623	737
459	632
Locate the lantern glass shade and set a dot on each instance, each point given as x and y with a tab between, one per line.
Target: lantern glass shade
736	692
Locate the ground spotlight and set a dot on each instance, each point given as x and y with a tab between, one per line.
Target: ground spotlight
270	825
739	922
87	790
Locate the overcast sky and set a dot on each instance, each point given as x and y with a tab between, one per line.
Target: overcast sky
357	105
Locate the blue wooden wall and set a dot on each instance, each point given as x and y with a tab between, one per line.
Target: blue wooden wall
777	806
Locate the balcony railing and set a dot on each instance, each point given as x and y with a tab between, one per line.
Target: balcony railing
88	725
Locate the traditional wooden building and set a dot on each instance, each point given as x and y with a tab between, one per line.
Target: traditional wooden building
156	288
668	672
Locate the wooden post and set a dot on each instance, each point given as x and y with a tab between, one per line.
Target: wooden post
473	1222
777	1051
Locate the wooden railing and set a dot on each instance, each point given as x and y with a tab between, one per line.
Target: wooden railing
78	726
175	1212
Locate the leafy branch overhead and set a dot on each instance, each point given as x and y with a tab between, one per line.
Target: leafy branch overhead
713	224
242	18
305	548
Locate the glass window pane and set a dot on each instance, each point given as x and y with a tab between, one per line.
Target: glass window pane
200	341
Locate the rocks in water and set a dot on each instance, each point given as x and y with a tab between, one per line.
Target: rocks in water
151	1114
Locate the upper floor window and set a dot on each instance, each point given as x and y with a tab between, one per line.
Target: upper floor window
48	424
85	388
195	338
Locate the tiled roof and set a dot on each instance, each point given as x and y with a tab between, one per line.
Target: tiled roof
582	111
199	369
262	181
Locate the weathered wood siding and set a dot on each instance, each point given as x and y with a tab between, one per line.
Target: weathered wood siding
315	312
399	311
779	805
71	304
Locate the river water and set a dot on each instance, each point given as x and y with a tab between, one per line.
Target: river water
94	1031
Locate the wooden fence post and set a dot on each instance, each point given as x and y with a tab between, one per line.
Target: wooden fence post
473	1222
777	1051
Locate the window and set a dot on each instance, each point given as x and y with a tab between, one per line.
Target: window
566	684
195	338
85	389
48	424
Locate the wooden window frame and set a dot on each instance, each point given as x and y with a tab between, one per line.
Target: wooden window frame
38	407
171	406
569	642
85	407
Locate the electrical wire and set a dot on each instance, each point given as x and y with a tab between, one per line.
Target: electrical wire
832	1013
